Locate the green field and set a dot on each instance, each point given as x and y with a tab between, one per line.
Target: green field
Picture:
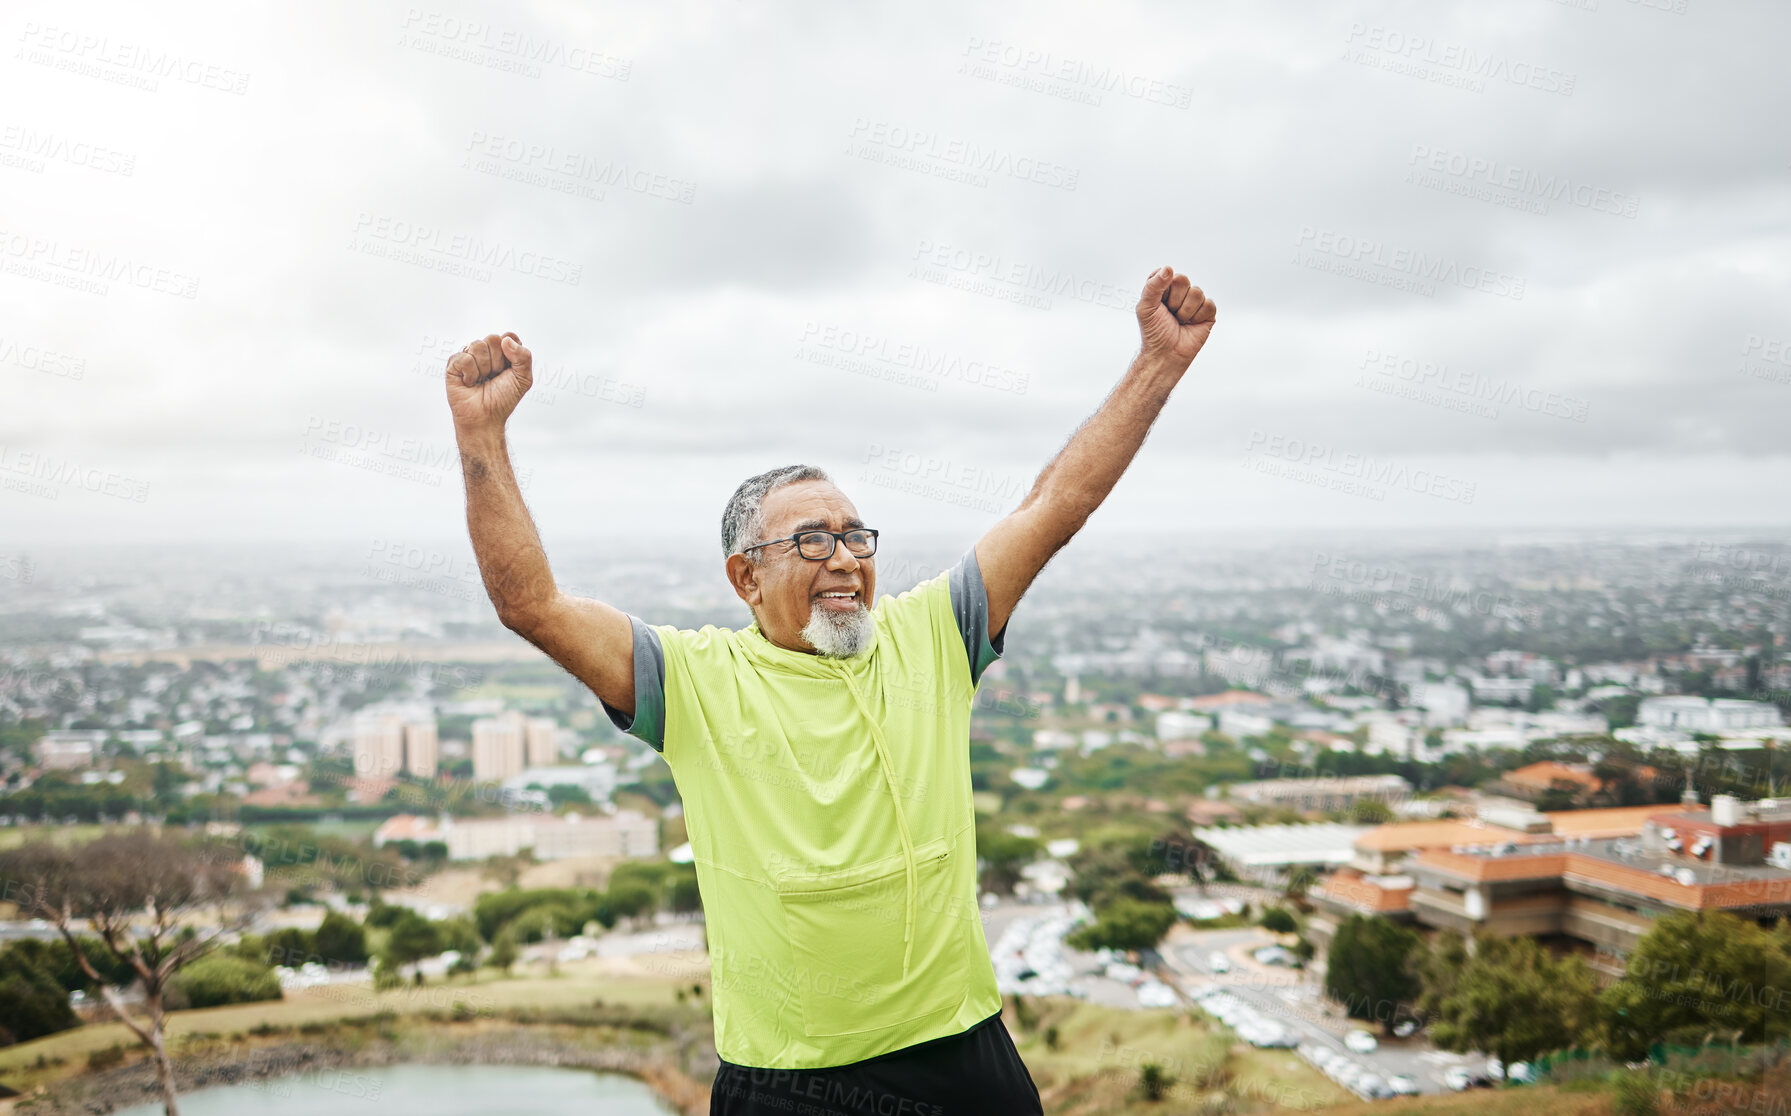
12	836
351	829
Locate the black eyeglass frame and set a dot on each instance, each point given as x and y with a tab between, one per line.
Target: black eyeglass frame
837	537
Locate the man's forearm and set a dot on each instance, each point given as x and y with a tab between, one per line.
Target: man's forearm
511	558
1079	478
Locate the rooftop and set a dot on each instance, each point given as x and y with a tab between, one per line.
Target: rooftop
1272	845
1617	821
1621	865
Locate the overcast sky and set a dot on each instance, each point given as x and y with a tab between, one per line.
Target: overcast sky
1524	264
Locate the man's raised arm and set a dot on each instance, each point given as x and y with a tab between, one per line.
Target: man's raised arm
592	640
1174	318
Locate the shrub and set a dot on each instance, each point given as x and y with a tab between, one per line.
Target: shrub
223	978
1154	1081
32	1003
105	1058
1635	1094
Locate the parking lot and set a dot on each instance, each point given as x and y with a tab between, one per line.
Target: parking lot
1218	969
1231	975
1026	945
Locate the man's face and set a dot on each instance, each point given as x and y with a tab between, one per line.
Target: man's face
785	590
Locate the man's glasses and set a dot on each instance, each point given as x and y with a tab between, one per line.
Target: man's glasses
819	545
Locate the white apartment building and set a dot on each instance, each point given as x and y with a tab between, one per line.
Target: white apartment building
499	747
1696	714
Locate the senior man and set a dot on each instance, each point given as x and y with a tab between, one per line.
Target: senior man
822	752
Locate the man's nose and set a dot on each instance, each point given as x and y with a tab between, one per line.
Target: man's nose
842	559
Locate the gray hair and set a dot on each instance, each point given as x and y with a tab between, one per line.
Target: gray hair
743	523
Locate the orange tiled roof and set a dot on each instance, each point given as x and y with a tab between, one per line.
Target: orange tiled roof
1618	821
1351	889
1229	697
1543	775
1407	836
1592	869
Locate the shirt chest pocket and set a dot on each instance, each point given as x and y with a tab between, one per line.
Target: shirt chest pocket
845	934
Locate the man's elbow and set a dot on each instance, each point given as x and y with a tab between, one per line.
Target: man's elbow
523	621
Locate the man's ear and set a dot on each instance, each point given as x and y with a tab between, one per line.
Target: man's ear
744	577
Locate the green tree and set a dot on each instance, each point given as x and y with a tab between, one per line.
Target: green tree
630	899
1278	920
1514	1000
1370	811
1003	855
1697	974
1108	871
288	946
110	884
340	940
503	950
1126	924
1300	879
413	938
32	1003
1439	967
1370	969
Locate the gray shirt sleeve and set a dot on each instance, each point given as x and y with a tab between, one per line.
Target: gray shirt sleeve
970	604
648	722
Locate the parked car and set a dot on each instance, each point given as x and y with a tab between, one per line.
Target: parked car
1405	1028
1360	1041
1460	1079
1373	1086
1521	1072
1219	963
1404	1085
1273	955
1121	971
1155	994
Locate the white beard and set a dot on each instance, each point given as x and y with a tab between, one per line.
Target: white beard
840	635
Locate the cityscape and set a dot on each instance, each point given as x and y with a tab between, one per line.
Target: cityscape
1551	739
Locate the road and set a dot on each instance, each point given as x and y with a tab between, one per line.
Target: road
1294	1001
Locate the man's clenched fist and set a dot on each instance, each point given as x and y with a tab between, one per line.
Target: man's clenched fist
1175	318
487	379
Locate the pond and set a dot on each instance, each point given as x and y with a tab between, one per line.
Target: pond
436	1090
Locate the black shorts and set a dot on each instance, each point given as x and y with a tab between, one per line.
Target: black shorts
975	1073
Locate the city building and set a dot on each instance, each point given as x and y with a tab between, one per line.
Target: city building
67	749
1502	690
1537	779
1593	884
1383	875
624	834
499	747
1714	715
422	751
597	780
541	741
1445	704
378	745
1322	793
1264	852
391	739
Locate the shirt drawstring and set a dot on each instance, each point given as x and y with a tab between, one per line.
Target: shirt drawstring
901	818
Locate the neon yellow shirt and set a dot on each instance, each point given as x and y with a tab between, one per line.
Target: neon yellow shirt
828	807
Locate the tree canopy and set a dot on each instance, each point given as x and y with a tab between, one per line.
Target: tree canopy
1370	970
